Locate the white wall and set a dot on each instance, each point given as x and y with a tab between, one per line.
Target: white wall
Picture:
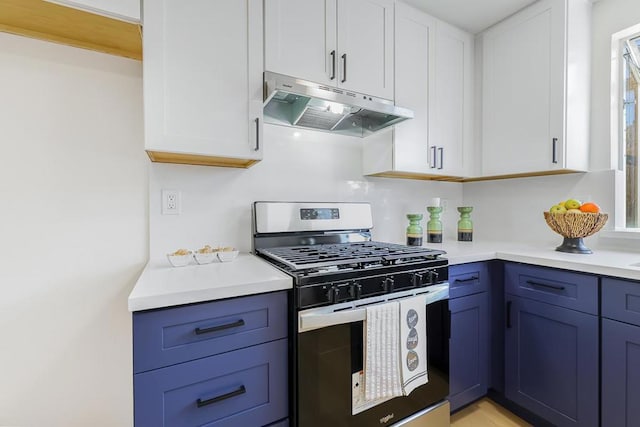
315	166
609	17
511	209
73	180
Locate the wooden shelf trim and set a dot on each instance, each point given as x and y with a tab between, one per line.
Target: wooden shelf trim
427	177
194	159
59	24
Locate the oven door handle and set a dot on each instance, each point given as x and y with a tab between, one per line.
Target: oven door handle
356	311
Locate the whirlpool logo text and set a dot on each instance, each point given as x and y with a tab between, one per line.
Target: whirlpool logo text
386	419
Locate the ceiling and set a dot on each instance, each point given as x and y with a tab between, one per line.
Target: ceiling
470	15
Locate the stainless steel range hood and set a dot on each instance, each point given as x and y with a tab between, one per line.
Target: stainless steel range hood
298	103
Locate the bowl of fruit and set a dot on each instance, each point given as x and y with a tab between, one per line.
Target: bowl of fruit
574	220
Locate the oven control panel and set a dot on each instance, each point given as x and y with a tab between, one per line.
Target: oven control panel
367	286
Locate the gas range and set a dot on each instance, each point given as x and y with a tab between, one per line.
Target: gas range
331	263
340	275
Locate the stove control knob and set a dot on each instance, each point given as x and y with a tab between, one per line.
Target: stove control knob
433	276
357	287
329	293
388	284
336	294
417	280
352	290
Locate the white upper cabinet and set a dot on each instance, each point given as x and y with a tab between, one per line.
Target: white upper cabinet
451	118
365	46
203	64
433	77
535	110
343	43
126	10
300	39
415	78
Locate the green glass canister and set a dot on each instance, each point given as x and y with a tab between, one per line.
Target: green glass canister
465	225
414	230
434	225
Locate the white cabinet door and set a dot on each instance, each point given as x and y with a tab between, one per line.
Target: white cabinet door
434	78
203	78
453	100
345	43
414	74
126	10
535	118
365	46
300	39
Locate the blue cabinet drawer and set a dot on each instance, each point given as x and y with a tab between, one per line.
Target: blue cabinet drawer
467	279
562	288
169	336
246	387
621	300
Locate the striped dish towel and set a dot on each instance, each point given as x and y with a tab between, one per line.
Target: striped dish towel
382	378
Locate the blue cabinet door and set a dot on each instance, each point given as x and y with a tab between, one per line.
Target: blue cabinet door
468	354
620	374
552	361
246	387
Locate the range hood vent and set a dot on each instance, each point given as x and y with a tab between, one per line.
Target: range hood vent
299	103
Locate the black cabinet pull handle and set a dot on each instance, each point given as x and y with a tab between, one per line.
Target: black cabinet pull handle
236	324
544	285
333	65
238	392
470	279
555	150
449	324
441	150
257	134
509	314
433	157
344	67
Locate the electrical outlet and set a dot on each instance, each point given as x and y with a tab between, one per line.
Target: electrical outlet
443	204
170	202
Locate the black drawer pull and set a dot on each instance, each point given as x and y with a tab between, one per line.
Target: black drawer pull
222	397
237	323
509	314
470	279
544	285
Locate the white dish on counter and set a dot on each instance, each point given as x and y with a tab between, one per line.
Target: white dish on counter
204	257
227	256
180	260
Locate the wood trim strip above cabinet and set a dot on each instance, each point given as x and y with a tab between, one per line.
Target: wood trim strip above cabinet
522	175
415	175
194	159
59	24
427	177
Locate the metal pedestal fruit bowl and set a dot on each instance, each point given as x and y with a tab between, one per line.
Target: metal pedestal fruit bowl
574	227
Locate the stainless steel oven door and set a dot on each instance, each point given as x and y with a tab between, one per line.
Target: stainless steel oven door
329	361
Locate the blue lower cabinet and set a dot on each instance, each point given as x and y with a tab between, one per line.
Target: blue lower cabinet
246	387
468	360
552	362
620	374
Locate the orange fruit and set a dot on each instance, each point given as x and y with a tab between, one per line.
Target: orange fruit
589	207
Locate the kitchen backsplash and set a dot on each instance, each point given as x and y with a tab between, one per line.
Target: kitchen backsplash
511	209
314	166
298	165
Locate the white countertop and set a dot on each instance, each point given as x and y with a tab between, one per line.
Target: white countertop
161	285
601	261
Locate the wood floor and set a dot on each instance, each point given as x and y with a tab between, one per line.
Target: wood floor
486	413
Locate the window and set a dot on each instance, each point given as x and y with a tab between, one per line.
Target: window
625	126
